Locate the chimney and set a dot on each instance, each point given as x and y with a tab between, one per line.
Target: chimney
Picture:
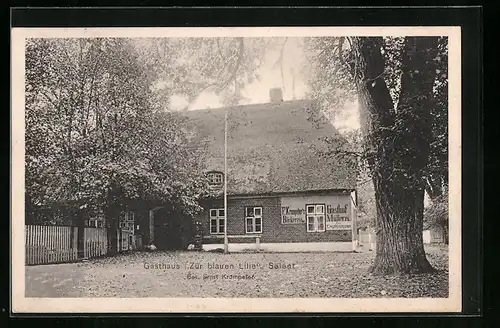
276	95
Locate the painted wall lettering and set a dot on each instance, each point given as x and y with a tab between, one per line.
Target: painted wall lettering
338	211
337	217
292	215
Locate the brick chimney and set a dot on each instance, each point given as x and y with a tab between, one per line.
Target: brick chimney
276	95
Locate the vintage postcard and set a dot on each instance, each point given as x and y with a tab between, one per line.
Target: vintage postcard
297	169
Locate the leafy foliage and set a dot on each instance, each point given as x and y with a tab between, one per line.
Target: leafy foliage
437	172
437	214
330	81
188	66
95	134
333	69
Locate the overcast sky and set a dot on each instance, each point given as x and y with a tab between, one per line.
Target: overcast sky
293	84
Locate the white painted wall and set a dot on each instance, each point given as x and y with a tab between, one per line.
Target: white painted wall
427	236
285	247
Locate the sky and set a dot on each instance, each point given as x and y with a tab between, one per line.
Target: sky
293	85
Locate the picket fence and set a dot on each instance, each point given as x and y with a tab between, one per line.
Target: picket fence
58	244
96	242
51	244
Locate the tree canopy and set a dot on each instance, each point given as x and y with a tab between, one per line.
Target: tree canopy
93	124
334	74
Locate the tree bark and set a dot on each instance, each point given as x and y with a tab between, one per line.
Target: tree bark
400	247
397	149
444	229
112	214
112	232
80	219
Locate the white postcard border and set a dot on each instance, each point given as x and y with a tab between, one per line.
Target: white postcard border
21	304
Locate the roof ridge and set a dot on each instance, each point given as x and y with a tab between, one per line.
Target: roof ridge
256	105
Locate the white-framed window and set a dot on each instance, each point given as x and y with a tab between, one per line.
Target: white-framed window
127	221
253	219
130	216
217	218
215	178
315	217
95	223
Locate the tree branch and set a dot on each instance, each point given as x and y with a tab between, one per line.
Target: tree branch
280	62
232	77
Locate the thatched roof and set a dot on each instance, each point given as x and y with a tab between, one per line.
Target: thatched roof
272	148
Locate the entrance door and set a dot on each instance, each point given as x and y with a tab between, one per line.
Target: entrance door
170	231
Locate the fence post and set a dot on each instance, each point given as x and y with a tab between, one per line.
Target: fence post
257	242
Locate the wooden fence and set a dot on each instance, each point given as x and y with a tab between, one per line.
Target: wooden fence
51	244
364	237
56	244
96	242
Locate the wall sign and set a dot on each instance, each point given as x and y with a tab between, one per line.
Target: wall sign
293	215
338	211
338	218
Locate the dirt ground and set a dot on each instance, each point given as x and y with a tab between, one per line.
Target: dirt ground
209	274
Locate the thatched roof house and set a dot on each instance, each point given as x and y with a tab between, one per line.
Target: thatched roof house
272	148
284	184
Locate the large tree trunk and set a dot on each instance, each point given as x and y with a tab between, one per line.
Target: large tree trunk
400	247
444	228
80	219
397	149
112	213
112	232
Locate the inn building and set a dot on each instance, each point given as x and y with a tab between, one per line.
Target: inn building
284	184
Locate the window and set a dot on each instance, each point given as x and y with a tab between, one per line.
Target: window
253	219
130	216
93	223
315	218
215	178
127	220
217	218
